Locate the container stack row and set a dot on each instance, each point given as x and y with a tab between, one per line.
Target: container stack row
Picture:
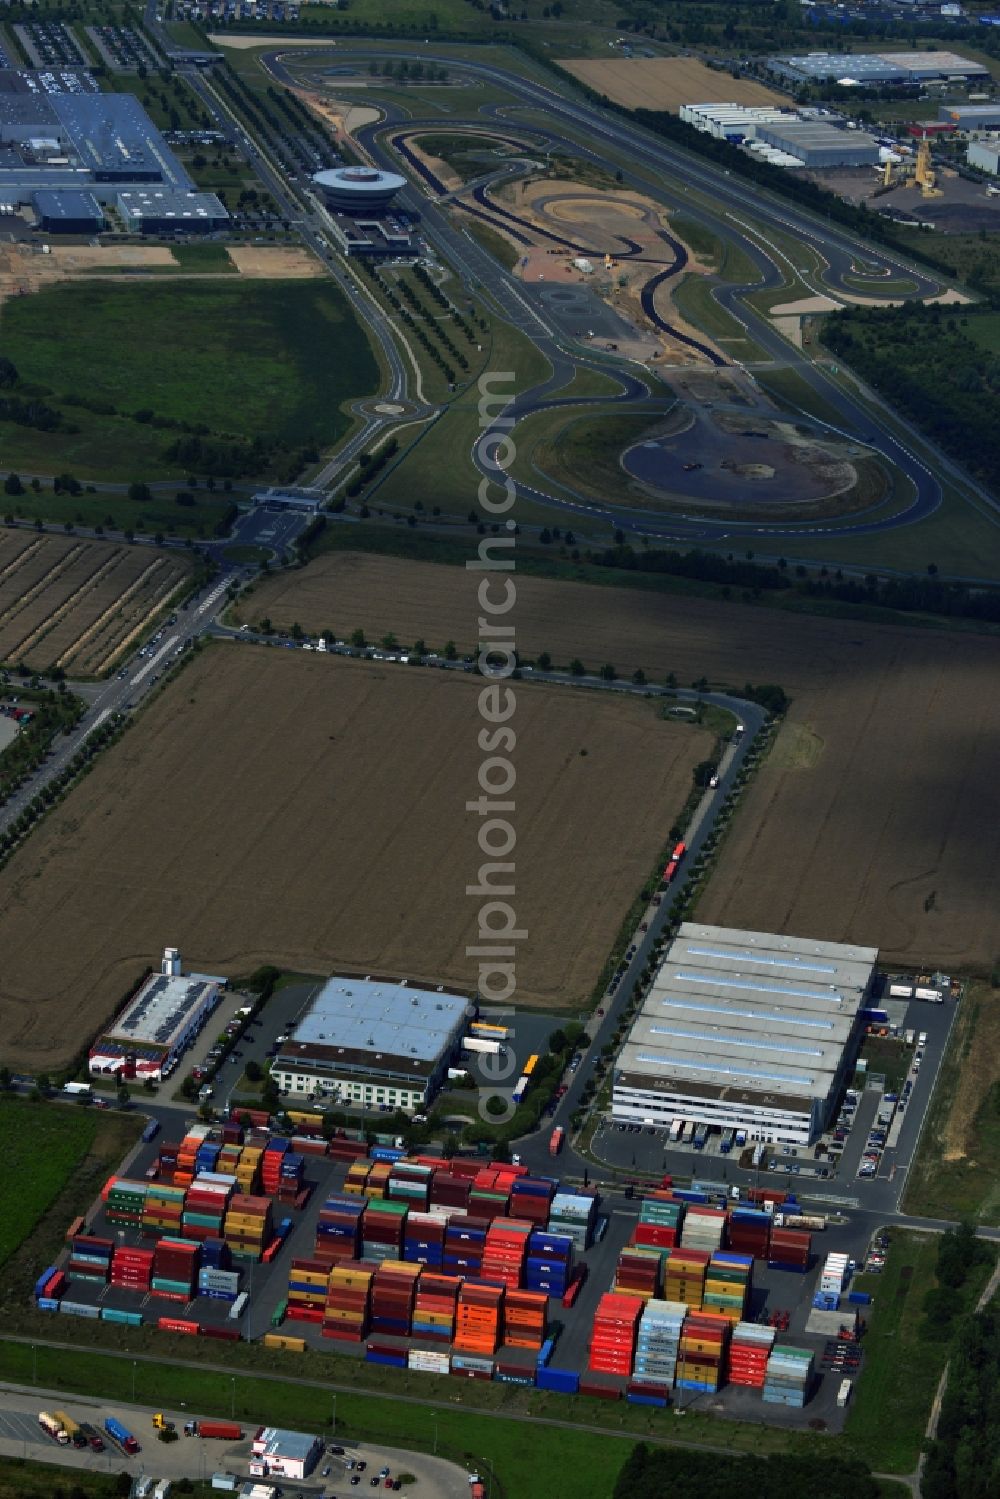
789	1376
749	1351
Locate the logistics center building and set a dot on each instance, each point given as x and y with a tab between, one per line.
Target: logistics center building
284	1454
745	1031
375	1042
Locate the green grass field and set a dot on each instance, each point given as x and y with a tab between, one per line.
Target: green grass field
889	1410
269	359
49	1151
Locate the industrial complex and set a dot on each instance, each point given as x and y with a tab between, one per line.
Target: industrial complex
373	1041
745	1031
876	69
77	158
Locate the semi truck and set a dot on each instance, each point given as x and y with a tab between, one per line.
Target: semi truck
121	1436
556	1140
71	1428
52	1428
217	1431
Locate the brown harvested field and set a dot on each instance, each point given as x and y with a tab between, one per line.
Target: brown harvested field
76	603
873	820
271	807
666	82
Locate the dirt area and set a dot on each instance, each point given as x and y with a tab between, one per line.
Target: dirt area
666	82
343	117
878	834
275	263
78	604
962	206
358	850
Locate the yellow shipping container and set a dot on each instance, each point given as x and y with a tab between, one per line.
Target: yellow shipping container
281	1340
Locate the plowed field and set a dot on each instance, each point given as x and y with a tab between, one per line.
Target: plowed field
283	808
665	82
871	823
77	603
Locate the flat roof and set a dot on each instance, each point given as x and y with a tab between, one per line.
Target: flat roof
71	204
170	203
161	1010
754	1012
275	1441
367	1022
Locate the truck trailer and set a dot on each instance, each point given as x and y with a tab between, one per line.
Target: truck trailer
121	1436
71	1428
52	1428
556	1140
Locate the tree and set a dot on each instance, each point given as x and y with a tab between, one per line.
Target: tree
124	1098
639	677
450	650
358	639
13	485
420	647
4	1079
254	1071
608	673
703	772
297	631
389	641
577	668
8	374
557	1040
139	492
43	1083
544	661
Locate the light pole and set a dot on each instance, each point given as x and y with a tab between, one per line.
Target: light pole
134	1367
34	1364
233	1383
333	1416
435	1435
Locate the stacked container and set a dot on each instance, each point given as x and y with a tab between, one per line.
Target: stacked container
515	1366
506	1250
657	1342
357	1177
90	1259
270	1164
638	1272
392	1297
205	1205
308	1282
248	1168
345	1315
464	1241
423	1237
490	1192
574	1213
216	1279
377	1184
750	1231
549	1262
612	1343
789	1376
833	1276
530	1198
684	1276
163	1210
410	1182
391	1351
749	1352
382	1227
132	1269
789	1250
175	1268
727	1284
659	1223
434	1307
342	1149
449	1190
125	1202
428	1361
338	1229
477	1318
524	1314
701	1356
704	1228
248	1226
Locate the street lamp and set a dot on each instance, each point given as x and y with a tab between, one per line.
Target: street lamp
333	1416
233	1382
134	1368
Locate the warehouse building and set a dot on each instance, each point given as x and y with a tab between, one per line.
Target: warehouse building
745	1031
985	156
157	1024
284	1454
166	211
819	146
971	117
373	1042
875	69
68	213
731	122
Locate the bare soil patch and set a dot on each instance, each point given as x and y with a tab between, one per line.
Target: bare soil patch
312	812
277	263
76	603
884	840
666	82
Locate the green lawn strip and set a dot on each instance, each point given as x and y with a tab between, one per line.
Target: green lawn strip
203	258
890	1406
31	1480
54	1158
692	296
116	512
942	1183
502	250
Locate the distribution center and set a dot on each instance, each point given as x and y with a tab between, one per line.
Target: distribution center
745	1031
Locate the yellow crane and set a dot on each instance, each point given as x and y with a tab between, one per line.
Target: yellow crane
924	175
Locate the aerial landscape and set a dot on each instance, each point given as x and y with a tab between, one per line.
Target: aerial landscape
499	611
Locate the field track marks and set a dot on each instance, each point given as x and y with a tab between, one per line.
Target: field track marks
59	613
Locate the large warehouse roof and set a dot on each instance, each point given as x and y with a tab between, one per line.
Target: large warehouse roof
380	1018
747	1013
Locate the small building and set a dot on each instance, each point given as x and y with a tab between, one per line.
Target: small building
290	498
985	156
731	122
283	1454
373	1042
158	1023
68	212
164	210
971	117
370	235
